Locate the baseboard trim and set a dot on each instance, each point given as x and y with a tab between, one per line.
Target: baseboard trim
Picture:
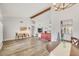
8	39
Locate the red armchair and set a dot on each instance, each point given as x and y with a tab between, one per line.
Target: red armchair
46	36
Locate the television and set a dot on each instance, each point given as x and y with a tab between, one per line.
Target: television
39	30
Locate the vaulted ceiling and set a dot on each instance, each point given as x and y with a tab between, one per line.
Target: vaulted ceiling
22	9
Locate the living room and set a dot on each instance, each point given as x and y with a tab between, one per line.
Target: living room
41	26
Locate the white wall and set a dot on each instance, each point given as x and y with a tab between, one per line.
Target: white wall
12	25
1	15
22	9
42	21
55	22
14	13
72	13
1	34
1	30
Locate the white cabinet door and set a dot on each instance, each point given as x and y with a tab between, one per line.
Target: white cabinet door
1	34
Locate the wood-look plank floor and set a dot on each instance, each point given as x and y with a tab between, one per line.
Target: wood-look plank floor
24	47
74	51
30	47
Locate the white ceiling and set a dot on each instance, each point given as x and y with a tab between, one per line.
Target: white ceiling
22	9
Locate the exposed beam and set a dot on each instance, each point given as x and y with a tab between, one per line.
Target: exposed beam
45	10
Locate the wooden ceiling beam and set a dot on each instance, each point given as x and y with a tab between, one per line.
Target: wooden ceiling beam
45	10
